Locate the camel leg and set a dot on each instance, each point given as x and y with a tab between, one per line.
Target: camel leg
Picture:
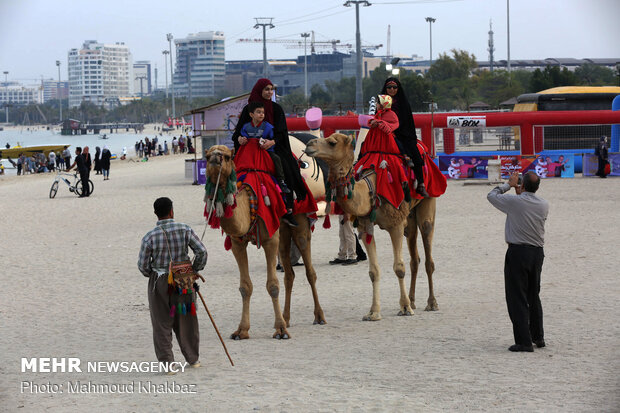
289	273
245	288
270	246
375	276
412	239
426	222
302	236
396	235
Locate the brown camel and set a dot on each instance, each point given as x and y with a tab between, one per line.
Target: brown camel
337	151
220	158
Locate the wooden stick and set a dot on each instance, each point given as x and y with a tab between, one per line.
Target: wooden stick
214	326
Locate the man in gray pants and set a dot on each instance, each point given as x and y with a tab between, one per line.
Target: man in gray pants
166	239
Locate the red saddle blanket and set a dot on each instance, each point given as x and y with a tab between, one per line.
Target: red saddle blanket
255	169
380	153
434	181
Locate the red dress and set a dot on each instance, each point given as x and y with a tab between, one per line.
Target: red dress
380	152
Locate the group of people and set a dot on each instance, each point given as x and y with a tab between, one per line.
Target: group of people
153	147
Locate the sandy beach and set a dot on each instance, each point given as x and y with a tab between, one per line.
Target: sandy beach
71	288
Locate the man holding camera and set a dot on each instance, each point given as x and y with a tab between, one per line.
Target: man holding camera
526	215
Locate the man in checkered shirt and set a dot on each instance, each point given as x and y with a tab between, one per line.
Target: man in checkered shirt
153	263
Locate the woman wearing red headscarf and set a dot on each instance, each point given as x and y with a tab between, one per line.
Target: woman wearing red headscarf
262	92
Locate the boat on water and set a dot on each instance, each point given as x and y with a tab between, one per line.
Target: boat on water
29	150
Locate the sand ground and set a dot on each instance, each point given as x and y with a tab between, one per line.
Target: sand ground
76	292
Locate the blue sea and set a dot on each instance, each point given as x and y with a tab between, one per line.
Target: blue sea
40	136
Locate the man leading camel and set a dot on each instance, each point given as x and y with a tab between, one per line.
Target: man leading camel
526	215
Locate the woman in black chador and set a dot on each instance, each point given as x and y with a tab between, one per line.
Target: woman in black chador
262	92
603	155
406	137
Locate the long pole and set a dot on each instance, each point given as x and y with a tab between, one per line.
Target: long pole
215	327
264	22
305	36
165	53
359	94
169	37
508	33
430	21
58	91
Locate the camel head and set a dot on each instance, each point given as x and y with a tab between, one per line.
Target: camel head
219	156
336	150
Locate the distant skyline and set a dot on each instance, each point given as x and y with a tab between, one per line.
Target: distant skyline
36	33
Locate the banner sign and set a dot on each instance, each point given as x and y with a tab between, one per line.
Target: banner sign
467	122
545	166
464	167
590	164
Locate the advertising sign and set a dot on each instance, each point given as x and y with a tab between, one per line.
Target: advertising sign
467	122
464	167
545	166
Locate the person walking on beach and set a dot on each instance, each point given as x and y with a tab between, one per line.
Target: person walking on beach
526	215
97	160
167	242
105	162
80	163
66	155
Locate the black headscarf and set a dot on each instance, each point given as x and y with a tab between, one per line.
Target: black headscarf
400	105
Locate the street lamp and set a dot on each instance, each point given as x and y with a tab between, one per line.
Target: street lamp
169	37
359	104
58	91
165	53
430	21
305	36
6	105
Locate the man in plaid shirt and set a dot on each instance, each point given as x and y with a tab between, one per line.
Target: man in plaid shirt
154	263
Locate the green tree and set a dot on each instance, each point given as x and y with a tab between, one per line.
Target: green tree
294	102
319	96
552	76
592	75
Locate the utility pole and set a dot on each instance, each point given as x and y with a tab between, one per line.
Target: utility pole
6	105
58	91
169	37
359	97
305	36
264	22
430	21
508	34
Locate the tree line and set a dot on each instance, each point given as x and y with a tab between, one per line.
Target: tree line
453	83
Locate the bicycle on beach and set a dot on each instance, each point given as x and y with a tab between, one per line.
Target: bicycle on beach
75	186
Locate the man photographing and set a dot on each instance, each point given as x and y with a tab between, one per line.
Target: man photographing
526	214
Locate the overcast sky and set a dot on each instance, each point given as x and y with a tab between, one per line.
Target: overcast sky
36	33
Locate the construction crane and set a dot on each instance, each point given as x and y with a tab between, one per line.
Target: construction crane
314	44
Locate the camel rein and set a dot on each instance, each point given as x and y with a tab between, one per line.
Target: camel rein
217	184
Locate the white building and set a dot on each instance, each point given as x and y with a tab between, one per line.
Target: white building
17	94
53	89
200	64
142	82
100	73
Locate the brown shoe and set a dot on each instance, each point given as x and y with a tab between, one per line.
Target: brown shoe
421	189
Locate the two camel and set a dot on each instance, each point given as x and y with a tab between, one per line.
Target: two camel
337	152
220	163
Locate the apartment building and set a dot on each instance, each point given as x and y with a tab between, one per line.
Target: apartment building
200	66
100	73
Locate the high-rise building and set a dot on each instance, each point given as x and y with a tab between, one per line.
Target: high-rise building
142	77
200	64
53	89
100	73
